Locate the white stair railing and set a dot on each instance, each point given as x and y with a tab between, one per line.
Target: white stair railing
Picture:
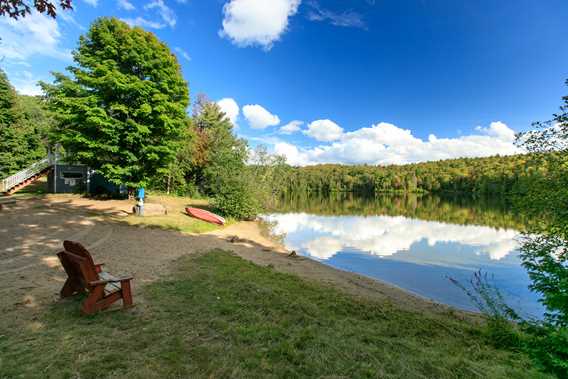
23	175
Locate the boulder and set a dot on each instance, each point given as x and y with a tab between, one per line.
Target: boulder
152	209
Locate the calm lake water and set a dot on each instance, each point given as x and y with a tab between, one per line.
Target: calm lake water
413	242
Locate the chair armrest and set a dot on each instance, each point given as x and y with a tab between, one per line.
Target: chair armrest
115	280
99	267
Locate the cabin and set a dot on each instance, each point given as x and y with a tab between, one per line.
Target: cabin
76	178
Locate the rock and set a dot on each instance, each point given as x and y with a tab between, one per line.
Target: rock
154	209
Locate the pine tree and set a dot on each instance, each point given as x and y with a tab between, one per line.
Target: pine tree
123	108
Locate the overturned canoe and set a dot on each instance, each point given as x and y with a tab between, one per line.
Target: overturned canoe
204	215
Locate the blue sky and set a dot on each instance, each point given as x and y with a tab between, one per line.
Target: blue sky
362	81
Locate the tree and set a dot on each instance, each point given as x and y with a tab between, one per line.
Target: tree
9	138
545	248
24	127
123	109
20	8
220	165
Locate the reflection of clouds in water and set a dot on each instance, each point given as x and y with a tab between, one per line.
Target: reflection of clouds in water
385	235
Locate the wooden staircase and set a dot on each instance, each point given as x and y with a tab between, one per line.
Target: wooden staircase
25	177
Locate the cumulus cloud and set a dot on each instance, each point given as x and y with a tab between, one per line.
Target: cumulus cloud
35	34
386	143
259	118
166	13
126	5
291	127
387	235
183	53
230	107
324	130
144	23
257	22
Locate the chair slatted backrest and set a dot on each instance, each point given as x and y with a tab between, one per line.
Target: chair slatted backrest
78	249
79	267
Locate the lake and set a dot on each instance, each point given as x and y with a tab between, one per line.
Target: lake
413	242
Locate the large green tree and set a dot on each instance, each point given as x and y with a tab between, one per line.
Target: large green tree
123	108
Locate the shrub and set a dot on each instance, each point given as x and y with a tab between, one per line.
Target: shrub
236	199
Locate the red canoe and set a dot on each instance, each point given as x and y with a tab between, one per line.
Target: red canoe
204	215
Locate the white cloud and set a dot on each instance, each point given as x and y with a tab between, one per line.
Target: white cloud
291	127
387	235
293	155
93	3
35	34
144	23
385	143
499	130
165	12
324	130
25	83
126	5
183	53
258	117
230	107
257	22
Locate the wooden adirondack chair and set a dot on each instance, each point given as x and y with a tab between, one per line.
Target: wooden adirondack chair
86	276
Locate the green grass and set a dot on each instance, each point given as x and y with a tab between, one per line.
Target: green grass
181	223
221	316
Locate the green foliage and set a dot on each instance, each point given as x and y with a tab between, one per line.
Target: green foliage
219	165
235	199
545	248
269	173
24	126
122	110
480	176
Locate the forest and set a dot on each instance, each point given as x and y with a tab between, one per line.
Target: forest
498	175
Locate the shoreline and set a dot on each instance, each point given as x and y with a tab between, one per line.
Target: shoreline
358	285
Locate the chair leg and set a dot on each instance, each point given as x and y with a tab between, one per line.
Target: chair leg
126	293
90	304
70	287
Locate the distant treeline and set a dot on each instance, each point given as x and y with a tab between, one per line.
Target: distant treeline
497	175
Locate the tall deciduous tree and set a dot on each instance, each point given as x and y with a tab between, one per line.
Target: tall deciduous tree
123	109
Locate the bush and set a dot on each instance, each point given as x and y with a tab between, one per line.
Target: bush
548	347
236	199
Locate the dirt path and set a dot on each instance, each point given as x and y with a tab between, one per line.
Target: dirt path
32	231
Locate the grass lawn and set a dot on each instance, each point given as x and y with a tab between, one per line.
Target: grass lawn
176	219
221	316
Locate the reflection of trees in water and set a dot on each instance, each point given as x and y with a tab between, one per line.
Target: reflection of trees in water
463	210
